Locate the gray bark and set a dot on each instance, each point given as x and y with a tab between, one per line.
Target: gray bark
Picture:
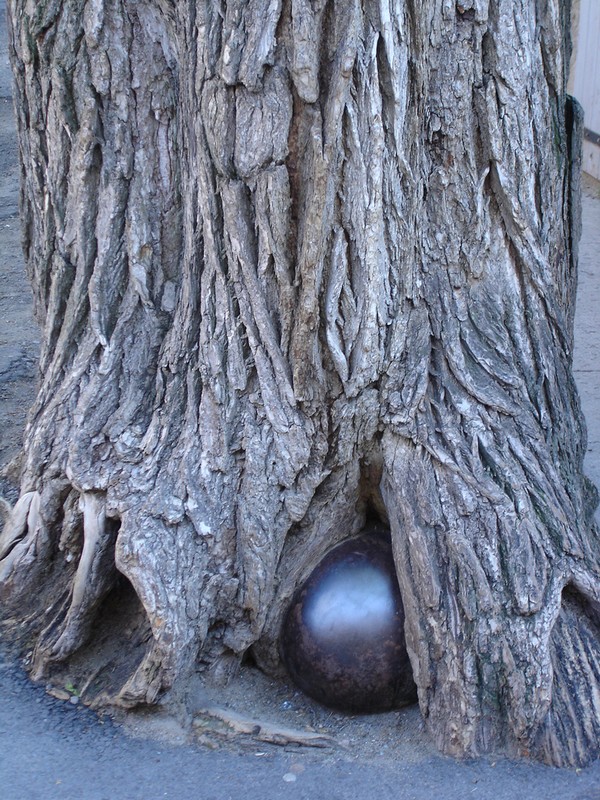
296	262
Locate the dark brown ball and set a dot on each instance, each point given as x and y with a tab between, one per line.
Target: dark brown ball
342	639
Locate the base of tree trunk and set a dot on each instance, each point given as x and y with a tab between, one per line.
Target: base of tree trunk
298	263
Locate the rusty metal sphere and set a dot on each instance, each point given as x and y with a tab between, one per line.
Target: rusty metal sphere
342	639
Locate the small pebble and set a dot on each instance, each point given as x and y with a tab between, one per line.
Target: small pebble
289	777
73	700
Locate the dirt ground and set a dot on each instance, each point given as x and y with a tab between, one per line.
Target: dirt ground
52	747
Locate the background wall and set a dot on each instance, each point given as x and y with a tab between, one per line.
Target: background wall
584	82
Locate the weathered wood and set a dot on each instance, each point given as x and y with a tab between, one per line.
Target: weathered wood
296	262
223	723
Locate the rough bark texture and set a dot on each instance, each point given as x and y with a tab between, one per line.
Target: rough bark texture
299	261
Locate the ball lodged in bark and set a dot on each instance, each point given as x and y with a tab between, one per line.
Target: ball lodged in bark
342	639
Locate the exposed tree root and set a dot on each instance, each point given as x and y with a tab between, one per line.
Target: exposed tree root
223	723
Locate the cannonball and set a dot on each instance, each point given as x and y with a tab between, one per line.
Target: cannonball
342	639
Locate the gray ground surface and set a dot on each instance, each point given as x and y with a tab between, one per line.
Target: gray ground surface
587	325
53	749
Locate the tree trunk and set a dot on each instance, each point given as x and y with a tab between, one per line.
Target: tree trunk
298	262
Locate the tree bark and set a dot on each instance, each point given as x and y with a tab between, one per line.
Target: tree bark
297	262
